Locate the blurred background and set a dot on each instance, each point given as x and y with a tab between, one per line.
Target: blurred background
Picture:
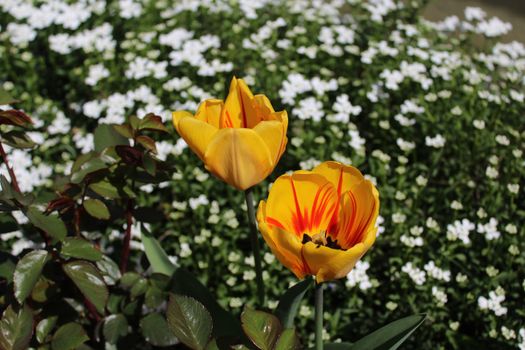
512	11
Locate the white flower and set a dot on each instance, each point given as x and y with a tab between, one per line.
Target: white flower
198	201
439	295
459	230
309	108
437	141
502	140
404	145
493	303
492	172
417	275
490	229
358	276
437	273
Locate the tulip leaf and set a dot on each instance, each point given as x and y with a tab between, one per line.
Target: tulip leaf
90	282
80	248
157	257
68	337
97	209
224	324
288	340
106	136
27	272
51	224
115	326
156	331
16	328
290	301
44	327
190	321
262	328
391	336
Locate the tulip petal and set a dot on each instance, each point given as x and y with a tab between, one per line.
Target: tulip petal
263	107
239	157
329	264
209	111
301	203
177	116
197	134
342	176
273	134
284	245
238	111
357	214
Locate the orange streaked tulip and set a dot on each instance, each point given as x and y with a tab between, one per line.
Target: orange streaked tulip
240	140
320	222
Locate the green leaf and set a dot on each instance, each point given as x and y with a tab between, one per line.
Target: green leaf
106	136
190	321
139	287
290	301
157	257
262	328
27	272
115	327
224	323
51	224
391	336
156	331
80	248
124	129
91	166
288	340
129	279
7	266
90	282
149	164
109	269
16	328
97	209
68	337
8	223
44	327
152	122
147	142
105	189
17	139
6	98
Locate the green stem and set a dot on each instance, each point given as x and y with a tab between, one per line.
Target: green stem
254	238
318	316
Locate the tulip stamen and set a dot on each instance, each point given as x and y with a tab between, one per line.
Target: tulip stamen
322	239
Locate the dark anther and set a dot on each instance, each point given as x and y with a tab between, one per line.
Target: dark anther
306	238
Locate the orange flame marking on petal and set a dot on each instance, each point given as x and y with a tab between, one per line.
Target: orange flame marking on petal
297	219
318	211
332	227
275	222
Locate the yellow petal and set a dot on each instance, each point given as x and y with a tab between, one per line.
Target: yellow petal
273	134
284	245
239	157
328	264
263	107
196	133
301	203
357	214
177	116
209	111
238	111
342	176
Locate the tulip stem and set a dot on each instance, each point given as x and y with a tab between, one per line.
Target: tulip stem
318	316
254	238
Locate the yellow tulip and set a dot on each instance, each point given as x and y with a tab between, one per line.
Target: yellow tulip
240	140
320	222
